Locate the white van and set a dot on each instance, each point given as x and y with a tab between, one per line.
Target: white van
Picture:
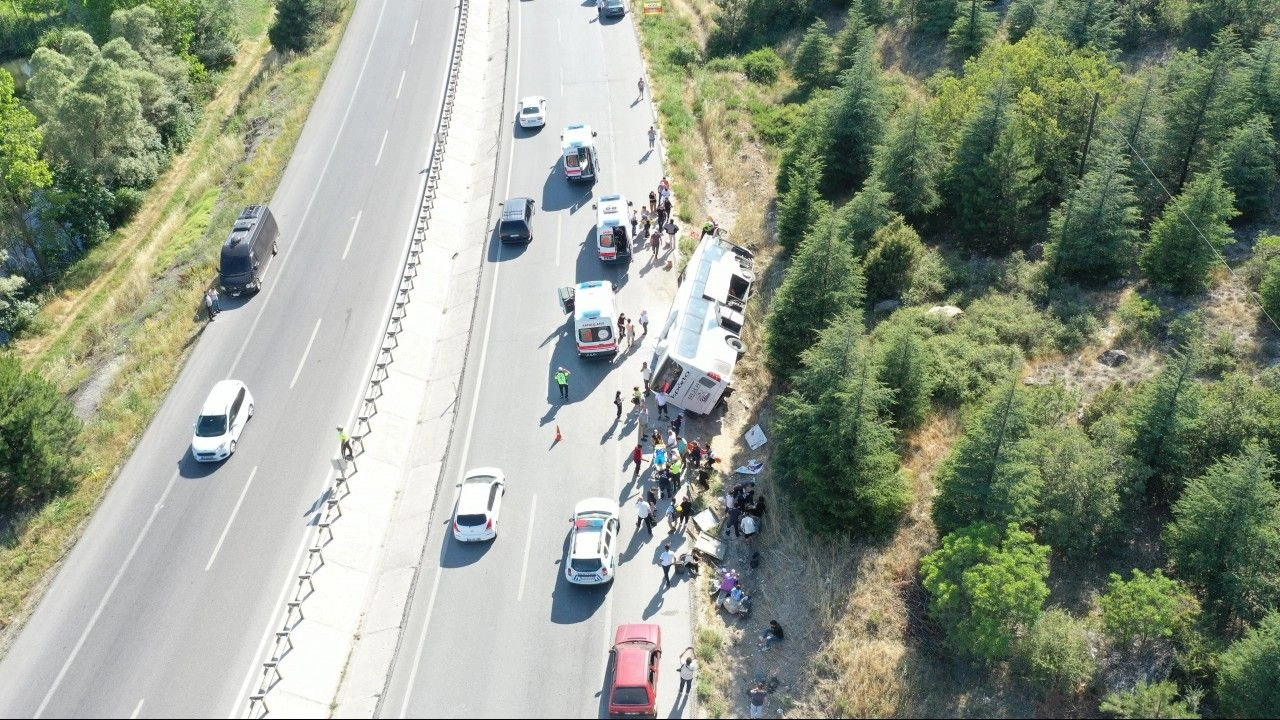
594	316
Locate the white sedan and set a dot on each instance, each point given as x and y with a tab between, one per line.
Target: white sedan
475	516
533	111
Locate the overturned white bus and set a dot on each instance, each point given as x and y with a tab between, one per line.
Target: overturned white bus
700	342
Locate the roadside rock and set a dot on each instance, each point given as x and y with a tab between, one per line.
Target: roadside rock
1113	358
949	312
887	306
1036	252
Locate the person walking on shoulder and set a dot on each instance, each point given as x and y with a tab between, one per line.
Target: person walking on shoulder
617	402
562	380
211	303
640	87
653	136
756	698
666	560
688	671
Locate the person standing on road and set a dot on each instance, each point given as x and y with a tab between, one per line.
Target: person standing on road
686	511
617	402
637	457
666	560
562	380
661	399
645	373
635	222
211	303
653	201
671	229
644	323
643	510
631	334
756	698
642	420
688	671
640	87
653	136
622	326
654	239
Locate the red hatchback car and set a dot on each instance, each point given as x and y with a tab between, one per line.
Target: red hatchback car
633	683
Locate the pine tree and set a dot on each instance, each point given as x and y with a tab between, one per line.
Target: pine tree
990	180
910	162
1225	536
1162	419
905	369
1021	16
1134	129
1079	503
802	204
1094	234
889	265
1258	80
936	16
39	438
807	141
1249	672
812	61
974	25
297	26
1201	107
1151	700
834	450
859	219
1088	23
1186	241
857	33
823	282
978	481
855	122
1248	163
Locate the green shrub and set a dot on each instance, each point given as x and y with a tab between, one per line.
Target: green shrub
39	438
1270	289
966	369
684	54
1152	700
729	64
1055	653
763	66
1146	608
1249	672
1139	321
1009	320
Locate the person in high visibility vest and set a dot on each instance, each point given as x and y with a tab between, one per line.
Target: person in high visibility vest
562	380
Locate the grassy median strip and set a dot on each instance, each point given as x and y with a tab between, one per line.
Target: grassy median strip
118	330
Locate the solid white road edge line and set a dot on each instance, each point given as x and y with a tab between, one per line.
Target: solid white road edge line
475	397
414	35
354	226
307	351
102	604
528	543
315	191
222	538
138	709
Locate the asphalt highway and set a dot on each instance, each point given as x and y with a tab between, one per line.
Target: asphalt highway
494	630
164	602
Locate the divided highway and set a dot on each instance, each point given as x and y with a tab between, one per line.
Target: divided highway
162	605
494	629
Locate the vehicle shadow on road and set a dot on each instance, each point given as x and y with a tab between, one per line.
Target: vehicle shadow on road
191	470
505	252
560	194
454	554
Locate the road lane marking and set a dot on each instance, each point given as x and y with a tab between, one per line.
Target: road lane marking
414	35
401	85
475	398
102	604
381	147
528	542
422	639
138	709
315	191
302	360
234	511
352	236
559	223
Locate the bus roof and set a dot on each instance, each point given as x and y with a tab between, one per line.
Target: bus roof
697	338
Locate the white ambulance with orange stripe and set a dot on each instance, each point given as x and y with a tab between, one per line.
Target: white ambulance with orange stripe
594	317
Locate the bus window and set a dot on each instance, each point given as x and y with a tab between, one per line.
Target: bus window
668	373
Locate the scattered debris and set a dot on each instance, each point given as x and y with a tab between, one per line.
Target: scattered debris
1113	358
755	437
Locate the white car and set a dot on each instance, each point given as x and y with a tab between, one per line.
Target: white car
533	111
475	515
222	418
592	558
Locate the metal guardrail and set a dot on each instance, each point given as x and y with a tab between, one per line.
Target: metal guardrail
347	467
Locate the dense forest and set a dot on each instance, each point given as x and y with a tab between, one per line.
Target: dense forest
1030	183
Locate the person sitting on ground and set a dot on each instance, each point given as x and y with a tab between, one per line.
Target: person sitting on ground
757	508
771	634
749	526
736	602
688	563
728	583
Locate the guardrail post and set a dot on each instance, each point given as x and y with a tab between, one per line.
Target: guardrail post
256	700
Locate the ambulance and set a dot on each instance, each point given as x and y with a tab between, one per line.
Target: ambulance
612	217
578	147
594	317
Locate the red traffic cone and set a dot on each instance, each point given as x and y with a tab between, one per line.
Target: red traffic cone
559	437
